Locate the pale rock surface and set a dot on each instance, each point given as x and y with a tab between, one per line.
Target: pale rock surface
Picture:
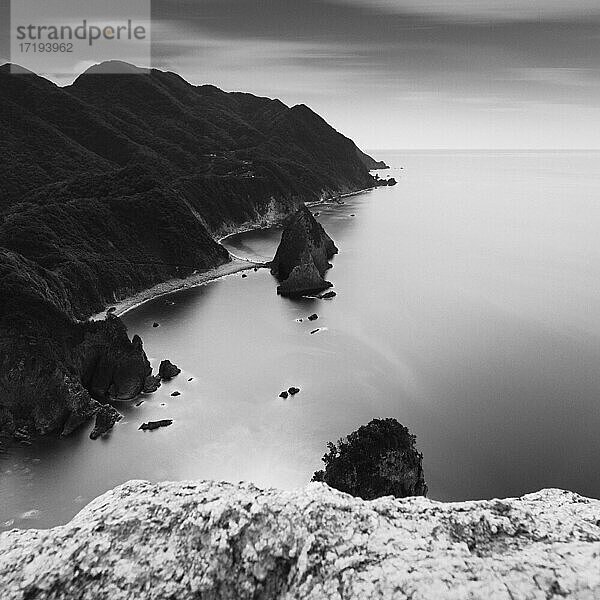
210	540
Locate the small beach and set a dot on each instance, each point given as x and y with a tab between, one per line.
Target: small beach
236	265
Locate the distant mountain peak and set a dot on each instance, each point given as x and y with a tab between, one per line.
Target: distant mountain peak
115	67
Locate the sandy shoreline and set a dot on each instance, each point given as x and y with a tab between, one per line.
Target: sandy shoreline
174	285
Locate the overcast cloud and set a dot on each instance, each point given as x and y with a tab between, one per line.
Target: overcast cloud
396	73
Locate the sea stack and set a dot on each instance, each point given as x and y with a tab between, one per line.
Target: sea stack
303	256
379	459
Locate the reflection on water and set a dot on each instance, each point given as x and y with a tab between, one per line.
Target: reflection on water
468	308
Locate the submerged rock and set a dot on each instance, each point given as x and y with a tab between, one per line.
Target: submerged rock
303	256
293	391
379	459
168	370
212	540
152	425
313	317
106	417
155	325
175	394
284	395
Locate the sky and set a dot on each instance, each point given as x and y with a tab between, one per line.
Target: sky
403	73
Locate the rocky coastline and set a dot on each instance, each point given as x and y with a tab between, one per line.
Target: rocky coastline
225	541
135	215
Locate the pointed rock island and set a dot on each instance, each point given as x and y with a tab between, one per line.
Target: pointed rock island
303	256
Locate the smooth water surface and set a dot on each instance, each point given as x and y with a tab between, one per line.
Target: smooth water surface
468	308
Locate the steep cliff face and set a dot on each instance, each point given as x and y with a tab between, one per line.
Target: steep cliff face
222	541
53	369
57	389
303	255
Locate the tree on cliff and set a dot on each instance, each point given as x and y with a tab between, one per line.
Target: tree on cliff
379	459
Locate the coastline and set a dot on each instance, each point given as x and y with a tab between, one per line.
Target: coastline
336	200
236	265
244	230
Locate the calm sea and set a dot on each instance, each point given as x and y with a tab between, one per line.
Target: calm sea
468	308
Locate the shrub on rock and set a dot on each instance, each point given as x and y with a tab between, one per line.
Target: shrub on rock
379	459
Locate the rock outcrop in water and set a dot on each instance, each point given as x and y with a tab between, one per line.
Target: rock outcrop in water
168	370
236	542
106	417
379	459
152	383
386	182
113	368
153	425
303	255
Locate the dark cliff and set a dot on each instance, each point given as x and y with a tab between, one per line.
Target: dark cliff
114	184
303	256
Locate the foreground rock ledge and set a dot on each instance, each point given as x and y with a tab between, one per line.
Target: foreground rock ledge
216	540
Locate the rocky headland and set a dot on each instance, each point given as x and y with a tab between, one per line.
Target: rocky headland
72	374
222	541
303	256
